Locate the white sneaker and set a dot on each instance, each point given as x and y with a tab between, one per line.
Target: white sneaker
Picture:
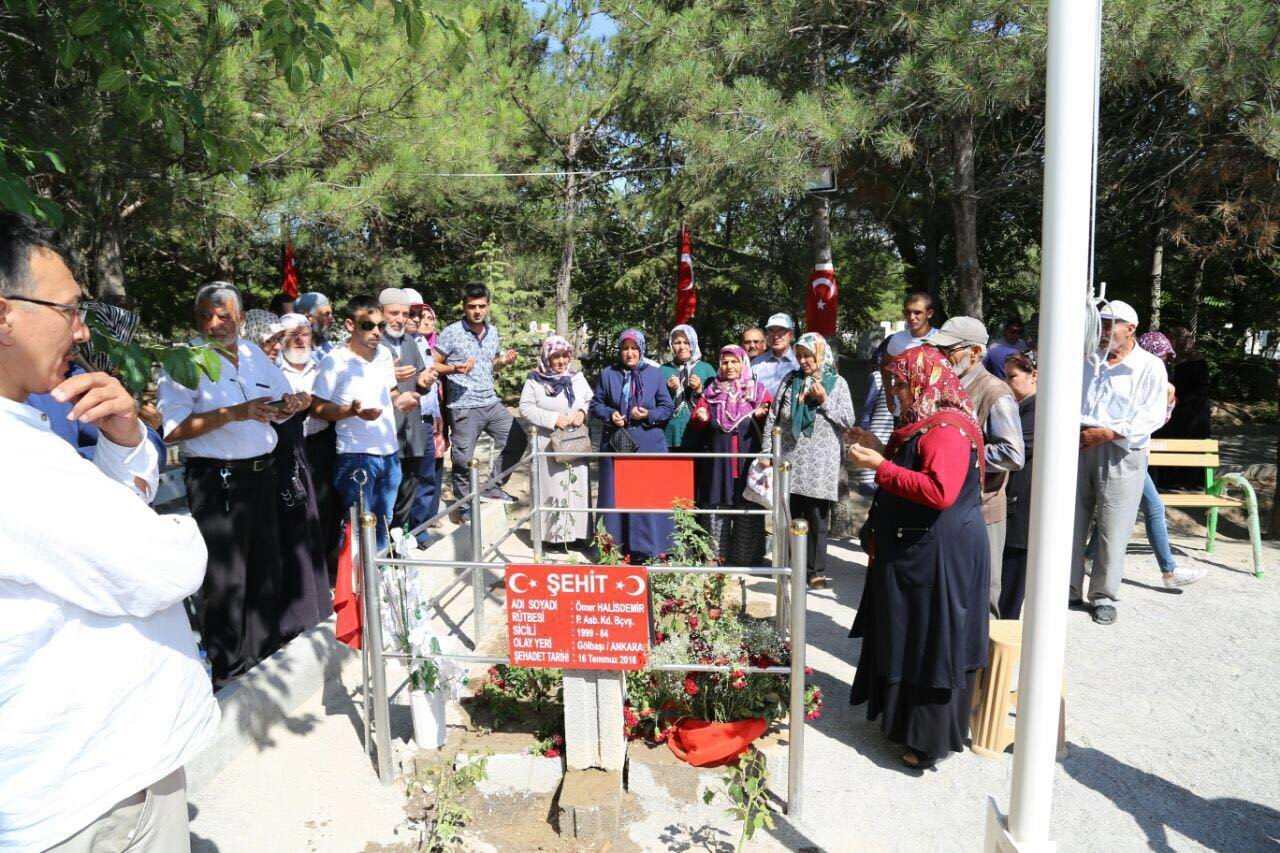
1184	577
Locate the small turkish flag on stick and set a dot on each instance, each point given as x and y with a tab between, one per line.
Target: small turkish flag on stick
822	303
686	296
289	285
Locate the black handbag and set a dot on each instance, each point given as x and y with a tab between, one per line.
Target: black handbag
622	442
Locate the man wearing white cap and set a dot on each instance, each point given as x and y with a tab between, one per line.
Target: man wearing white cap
1123	403
778	362
964	341
415	434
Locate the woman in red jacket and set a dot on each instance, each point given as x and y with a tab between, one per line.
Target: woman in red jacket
923	616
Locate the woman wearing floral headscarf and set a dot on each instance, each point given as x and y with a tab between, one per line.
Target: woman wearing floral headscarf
633	402
686	376
813	408
556	397
730	413
924	610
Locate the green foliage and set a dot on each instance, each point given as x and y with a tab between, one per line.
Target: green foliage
746	786
434	806
133	363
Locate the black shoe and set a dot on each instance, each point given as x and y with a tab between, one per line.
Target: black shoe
497	494
1104	614
1077	604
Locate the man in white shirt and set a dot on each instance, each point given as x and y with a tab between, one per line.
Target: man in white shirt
356	389
103	698
1122	404
779	361
228	444
917	312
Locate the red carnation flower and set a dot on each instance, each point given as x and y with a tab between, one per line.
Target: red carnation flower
690	686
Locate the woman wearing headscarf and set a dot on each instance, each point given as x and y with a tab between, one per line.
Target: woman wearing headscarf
556	397
633	402
730	413
305	600
924	609
686	375
813	409
422	328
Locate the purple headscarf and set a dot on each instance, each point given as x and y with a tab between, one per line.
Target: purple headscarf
1156	344
731	400
632	386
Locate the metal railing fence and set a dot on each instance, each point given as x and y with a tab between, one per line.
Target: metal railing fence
788	568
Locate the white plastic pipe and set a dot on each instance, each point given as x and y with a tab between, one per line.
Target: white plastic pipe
1074	35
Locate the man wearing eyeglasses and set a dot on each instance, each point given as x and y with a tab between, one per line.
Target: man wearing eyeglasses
91	591
357	388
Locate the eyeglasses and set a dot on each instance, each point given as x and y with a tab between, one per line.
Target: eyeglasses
79	311
369	326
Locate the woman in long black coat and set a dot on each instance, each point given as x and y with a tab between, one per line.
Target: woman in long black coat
924	610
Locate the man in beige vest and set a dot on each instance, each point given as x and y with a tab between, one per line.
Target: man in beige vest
964	341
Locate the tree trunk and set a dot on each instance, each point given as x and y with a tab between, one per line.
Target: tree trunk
1197	286
1275	500
108	262
964	214
1157	280
564	279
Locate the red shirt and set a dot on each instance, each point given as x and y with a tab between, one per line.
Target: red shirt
944	454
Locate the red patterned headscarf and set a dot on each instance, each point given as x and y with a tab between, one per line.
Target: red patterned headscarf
937	397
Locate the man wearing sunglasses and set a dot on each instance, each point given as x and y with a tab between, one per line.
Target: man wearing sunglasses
357	388
91	591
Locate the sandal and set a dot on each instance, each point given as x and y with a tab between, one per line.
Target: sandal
917	760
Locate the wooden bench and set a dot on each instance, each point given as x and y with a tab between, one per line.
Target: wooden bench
1203	453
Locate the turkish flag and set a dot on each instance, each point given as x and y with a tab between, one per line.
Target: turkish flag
686	296
289	285
820	308
346	603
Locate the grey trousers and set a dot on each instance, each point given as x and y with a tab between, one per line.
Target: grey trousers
150	821
1108	492
468	424
996	534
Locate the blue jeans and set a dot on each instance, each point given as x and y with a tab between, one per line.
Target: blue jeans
383	479
1152	509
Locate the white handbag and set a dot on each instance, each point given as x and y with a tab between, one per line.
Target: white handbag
759	486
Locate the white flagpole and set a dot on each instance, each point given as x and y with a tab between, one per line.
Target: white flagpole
1074	41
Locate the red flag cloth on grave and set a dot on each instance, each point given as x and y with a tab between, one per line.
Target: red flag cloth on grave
686	296
345	601
289	284
820	308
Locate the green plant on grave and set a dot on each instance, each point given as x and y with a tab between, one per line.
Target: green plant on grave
434	803
746	787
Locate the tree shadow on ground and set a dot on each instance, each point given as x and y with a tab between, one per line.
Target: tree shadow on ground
1157	805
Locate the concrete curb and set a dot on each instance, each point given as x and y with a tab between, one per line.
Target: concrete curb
265	697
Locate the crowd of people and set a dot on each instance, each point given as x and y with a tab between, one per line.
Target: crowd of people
312	409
